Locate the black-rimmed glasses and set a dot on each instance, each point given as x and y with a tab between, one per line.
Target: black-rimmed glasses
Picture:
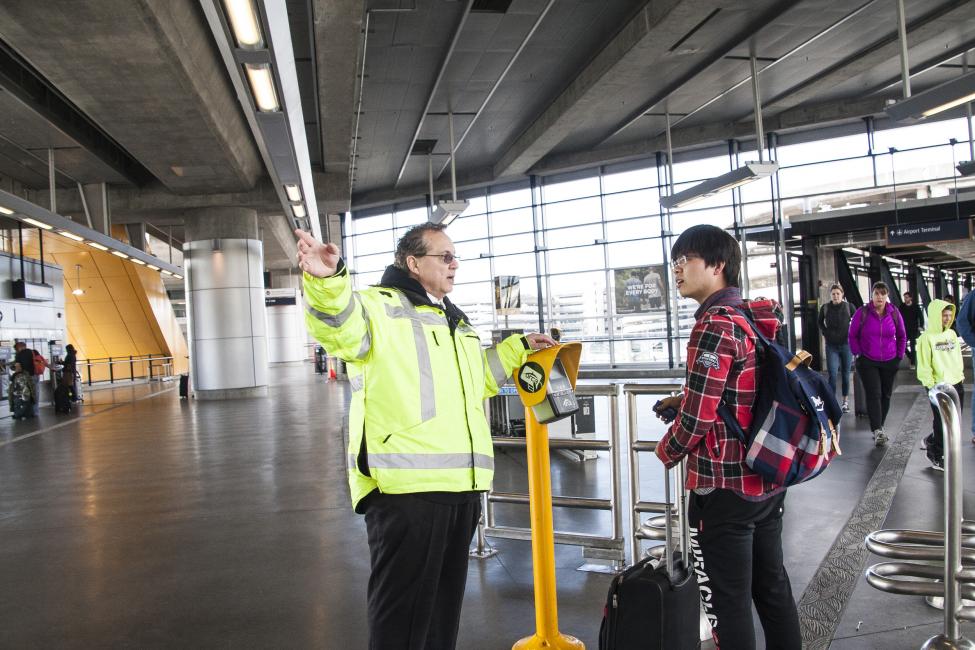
446	258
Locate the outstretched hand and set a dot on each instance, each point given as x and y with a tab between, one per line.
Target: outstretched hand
314	257
540	341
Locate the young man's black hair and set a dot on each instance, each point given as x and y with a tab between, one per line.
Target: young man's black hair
713	245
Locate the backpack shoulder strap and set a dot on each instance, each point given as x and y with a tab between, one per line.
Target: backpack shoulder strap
755	329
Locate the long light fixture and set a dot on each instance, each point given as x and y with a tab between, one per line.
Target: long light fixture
120	254
935	100
299	211
4	210
136	260
95	244
750	171
39	224
71	235
294	194
244	23
262	86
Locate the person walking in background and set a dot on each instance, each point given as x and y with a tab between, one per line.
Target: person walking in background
69	368
39	366
878	340
834	323
913	324
939	360
965	322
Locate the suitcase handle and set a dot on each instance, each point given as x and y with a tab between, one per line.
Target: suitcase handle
684	539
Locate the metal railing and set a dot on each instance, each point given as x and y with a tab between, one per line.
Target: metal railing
931	563
612	546
130	368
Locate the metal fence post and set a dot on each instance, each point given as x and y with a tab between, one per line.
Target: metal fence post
111	371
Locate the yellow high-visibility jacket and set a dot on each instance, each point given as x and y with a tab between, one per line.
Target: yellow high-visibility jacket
419	378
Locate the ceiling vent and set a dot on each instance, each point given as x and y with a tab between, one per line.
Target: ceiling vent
490	6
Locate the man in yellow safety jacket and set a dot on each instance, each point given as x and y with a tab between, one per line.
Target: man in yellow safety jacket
420	448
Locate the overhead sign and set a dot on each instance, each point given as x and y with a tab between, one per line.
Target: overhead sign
926	233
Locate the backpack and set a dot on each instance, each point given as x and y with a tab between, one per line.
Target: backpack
40	363
793	435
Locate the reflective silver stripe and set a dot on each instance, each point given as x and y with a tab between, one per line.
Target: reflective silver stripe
497	369
358	383
352	464
428	398
430	461
336	320
410	312
366	338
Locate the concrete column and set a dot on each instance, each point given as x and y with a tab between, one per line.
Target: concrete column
226	316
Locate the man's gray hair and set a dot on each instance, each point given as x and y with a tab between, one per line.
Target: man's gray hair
414	243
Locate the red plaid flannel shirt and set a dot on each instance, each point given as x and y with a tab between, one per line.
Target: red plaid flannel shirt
721	363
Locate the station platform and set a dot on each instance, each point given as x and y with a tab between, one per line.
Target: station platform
142	520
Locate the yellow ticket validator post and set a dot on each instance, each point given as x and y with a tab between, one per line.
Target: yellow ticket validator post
546	385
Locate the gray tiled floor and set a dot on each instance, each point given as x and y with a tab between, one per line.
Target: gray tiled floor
165	523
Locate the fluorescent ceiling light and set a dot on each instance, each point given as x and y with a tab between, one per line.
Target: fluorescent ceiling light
294	194
299	211
39	224
95	244
71	235
750	171
165	272
447	211
153	267
177	276
966	168
4	210
244	23
78	292
935	100
137	261
262	87
120	254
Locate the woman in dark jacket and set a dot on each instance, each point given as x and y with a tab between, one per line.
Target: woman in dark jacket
68	370
834	323
878	339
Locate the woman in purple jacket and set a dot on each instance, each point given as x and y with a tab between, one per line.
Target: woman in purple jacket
878	340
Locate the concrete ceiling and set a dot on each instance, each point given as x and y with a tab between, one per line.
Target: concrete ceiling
133	93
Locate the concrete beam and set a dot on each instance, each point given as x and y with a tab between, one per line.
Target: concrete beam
277	228
697	136
943	19
644	39
148	74
338	51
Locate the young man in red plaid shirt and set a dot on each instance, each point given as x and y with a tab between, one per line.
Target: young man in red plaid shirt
735	516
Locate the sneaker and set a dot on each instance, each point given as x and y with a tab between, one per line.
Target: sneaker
846	406
937	465
879	437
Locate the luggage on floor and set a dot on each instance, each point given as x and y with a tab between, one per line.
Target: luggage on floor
654	604
62	398
184	386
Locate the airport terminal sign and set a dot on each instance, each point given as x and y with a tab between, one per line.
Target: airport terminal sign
926	233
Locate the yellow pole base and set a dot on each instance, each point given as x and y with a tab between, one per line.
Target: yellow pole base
560	642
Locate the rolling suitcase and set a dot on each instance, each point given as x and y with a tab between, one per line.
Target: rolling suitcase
62	399
184	386
654	605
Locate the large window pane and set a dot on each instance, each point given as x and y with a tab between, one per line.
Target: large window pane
373	224
637	203
920	135
581	258
578	236
723	217
630	180
633	229
412	217
820	150
699	170
377	242
466	228
519	198
571	213
575	300
639	252
509	222
821	178
522	264
513	244
570	189
367	263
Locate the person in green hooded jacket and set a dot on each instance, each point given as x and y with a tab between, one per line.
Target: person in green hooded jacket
939	361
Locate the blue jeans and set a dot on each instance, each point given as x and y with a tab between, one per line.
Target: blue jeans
973	401
838	358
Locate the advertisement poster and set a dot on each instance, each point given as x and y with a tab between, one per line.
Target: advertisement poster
641	289
507	294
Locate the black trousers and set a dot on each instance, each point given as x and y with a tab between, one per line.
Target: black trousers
936	443
878	383
912	347
737	547
418	550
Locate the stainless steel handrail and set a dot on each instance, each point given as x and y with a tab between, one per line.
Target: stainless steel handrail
614	504
636	447
920	579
